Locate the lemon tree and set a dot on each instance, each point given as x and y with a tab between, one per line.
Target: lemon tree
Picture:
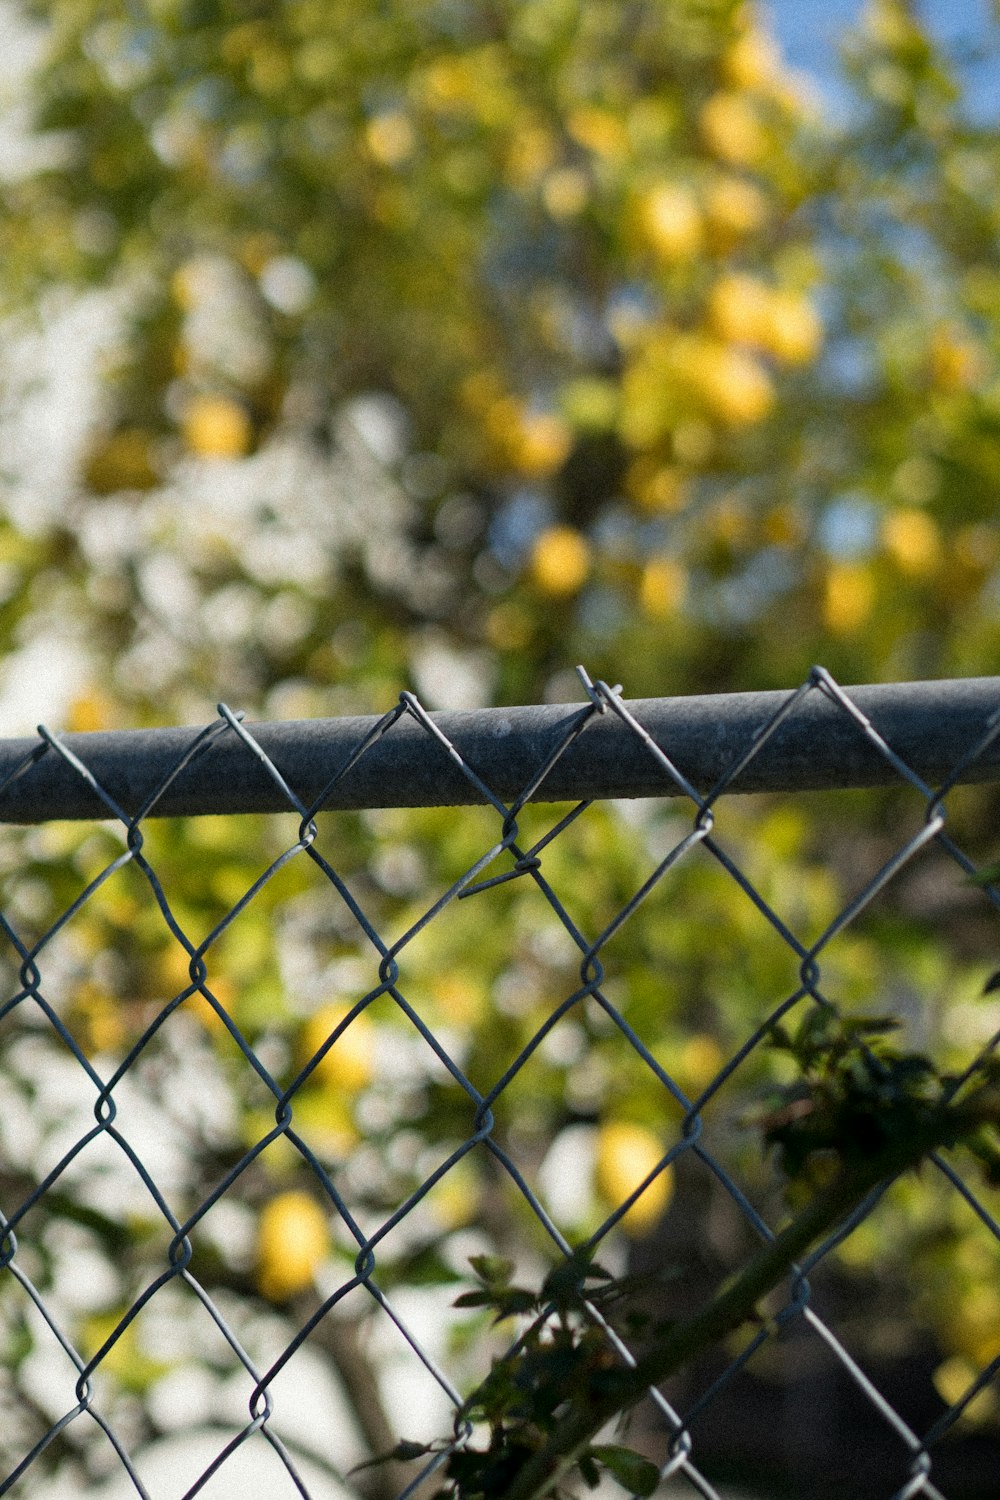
442	349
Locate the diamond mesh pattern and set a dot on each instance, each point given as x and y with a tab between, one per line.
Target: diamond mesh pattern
155	1174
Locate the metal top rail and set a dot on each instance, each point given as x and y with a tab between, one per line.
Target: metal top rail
930	725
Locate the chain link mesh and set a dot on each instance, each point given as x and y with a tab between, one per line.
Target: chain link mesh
143	1157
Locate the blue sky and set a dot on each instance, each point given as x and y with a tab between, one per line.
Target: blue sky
810	32
810	29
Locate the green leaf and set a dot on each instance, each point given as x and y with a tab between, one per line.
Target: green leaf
494	1270
515	1301
565	1282
481	1298
425	1267
405	1451
870	1025
636	1474
588	1468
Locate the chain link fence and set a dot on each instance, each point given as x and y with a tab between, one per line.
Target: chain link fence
232	1247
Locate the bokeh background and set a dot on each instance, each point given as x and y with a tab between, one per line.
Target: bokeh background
353	346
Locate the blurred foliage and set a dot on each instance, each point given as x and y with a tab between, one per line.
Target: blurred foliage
445	345
862	1109
651	353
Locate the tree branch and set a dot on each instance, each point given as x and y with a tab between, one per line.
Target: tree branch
736	1303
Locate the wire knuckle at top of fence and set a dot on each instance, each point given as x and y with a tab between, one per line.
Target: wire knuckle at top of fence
924	737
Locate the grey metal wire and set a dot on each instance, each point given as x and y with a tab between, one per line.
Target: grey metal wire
924	737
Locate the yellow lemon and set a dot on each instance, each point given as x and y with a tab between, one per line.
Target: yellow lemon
848	597
293	1239
530	155
974	1324
739	307
565	192
390	138
183	285
791	329
733	384
955	362
89	712
784	323
701	1058
734	207
349	1064
658	486
205	1013
752	62
449	84
952	1380
732	130
96	1017
670	222
560	561
599	130
542	444
457	1196
626	1154
912	539
663	587
216	427
463	996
